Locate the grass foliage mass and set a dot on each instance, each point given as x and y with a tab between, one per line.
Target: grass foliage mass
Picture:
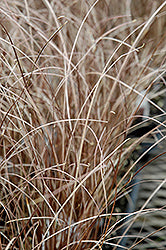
73	78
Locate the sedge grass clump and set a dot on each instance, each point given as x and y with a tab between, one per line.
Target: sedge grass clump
70	76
